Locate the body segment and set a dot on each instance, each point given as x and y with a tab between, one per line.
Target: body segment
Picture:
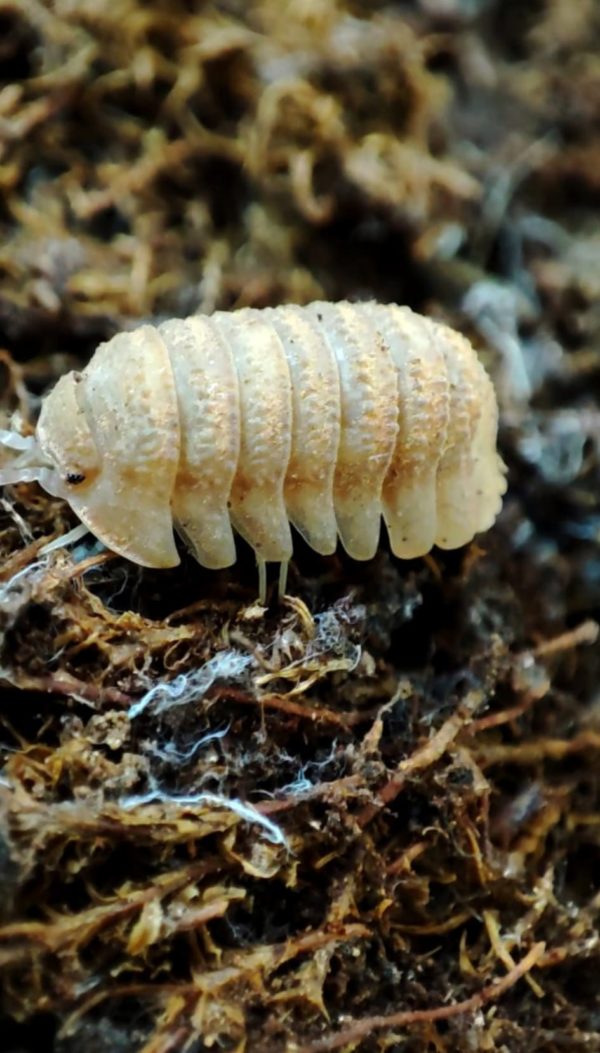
208	401
256	500
368	423
409	497
315	387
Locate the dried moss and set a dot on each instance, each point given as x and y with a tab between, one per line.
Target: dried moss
366	818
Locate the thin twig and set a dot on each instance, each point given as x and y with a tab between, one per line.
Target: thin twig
88	564
317	714
424	756
20	559
586	633
64	684
365	1027
336	788
538	750
505	716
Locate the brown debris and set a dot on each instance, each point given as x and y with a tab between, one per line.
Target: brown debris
366	817
397	1020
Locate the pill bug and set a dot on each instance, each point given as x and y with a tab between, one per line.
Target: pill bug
327	416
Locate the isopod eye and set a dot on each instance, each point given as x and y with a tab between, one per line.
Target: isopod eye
74	478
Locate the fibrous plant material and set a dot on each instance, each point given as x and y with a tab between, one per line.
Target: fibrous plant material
254	805
367	817
328	416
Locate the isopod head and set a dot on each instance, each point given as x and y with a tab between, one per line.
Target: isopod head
109	442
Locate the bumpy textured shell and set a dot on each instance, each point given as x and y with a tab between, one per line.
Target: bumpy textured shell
326	416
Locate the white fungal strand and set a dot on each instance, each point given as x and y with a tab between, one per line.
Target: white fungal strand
328	416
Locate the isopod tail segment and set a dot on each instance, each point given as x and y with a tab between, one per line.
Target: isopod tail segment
327	417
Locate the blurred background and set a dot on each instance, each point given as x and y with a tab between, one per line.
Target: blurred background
159	159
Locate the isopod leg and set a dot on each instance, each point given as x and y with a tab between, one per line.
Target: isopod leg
283	575
262	580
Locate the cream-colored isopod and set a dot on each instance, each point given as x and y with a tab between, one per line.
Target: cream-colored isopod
327	416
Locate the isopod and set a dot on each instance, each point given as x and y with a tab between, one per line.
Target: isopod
327	416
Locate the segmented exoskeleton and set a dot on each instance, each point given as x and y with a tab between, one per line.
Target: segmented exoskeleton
326	416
